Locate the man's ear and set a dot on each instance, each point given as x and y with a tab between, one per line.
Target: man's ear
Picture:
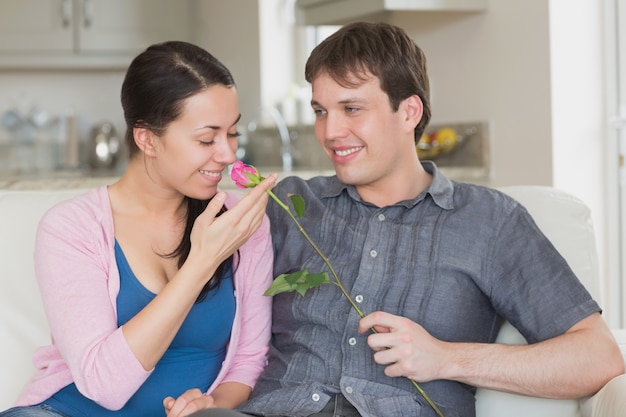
144	139
413	110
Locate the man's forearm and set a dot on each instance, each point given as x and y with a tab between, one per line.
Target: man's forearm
575	364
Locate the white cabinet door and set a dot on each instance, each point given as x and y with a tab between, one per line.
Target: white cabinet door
86	33
36	26
119	26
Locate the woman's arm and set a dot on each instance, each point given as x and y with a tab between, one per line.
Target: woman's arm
251	334
213	239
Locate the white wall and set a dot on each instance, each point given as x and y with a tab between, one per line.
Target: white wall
494	66
230	30
255	39
579	116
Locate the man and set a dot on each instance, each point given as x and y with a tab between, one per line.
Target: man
438	264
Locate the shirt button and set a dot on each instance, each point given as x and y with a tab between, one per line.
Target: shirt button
352	341
349	390
358	298
373	253
315	397
381	217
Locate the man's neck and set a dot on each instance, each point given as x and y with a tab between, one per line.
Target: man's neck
394	191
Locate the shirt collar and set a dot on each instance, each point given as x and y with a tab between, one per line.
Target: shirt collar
441	189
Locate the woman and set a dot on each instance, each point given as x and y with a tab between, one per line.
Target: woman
153	290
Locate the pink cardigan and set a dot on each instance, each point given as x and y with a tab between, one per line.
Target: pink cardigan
79	281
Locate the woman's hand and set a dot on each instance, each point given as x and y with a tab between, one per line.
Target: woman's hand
217	238
226	395
189	402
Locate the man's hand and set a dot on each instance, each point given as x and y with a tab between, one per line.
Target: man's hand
405	346
565	366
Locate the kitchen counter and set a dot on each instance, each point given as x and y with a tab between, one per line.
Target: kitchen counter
87	179
91	179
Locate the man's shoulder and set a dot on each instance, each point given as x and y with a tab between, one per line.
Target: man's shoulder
473	193
485	202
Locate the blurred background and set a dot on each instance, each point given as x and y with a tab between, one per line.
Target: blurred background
529	92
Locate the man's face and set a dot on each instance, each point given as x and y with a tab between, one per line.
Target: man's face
369	144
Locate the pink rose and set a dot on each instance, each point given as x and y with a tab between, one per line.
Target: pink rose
245	176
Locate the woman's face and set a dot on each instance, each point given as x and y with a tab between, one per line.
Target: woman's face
195	149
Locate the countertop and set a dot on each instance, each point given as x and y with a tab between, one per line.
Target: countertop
91	179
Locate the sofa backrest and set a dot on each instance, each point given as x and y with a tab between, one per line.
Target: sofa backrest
566	221
23	325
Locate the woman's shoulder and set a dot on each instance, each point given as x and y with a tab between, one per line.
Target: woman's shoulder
92	203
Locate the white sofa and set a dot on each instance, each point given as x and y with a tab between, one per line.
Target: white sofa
23	324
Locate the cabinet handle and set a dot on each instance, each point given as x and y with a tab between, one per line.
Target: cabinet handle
66	13
88	13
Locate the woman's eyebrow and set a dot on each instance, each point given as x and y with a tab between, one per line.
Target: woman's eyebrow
216	127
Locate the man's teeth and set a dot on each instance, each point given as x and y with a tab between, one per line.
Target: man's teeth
345	152
209	173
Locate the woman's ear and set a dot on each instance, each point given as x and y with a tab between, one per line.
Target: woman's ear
144	139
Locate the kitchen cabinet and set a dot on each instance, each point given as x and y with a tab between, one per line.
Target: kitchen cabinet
338	12
85	33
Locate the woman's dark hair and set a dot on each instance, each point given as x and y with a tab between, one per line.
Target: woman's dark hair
157	83
381	49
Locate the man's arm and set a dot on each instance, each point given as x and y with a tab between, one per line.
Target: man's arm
575	364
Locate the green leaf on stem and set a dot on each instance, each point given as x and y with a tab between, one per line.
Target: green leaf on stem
299	281
298	204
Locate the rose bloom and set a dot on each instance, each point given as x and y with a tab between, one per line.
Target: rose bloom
245	176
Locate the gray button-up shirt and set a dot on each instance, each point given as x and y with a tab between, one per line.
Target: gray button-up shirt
457	259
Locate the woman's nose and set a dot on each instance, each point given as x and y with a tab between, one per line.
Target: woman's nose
225	151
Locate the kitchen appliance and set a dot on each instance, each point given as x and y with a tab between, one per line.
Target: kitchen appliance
104	146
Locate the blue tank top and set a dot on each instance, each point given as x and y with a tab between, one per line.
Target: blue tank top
193	359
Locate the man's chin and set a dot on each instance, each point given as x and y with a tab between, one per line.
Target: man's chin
347	176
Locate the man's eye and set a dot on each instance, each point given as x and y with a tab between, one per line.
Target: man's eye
352	109
319	112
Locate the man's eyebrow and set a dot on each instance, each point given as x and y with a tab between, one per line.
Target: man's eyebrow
351	100
344	101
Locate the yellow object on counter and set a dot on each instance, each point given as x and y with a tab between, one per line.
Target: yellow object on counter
440	141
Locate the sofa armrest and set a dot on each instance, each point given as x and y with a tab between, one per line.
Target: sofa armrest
610	401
